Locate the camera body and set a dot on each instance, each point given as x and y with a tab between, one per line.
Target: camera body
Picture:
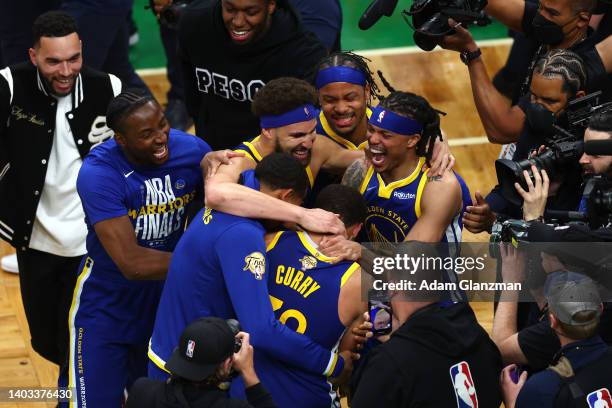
430	18
564	148
508	231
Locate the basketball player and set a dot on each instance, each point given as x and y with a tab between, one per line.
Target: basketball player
219	268
315	296
404	202
134	189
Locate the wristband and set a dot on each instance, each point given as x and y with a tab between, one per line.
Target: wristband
467	56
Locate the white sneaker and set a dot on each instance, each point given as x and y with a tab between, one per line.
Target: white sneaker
9	263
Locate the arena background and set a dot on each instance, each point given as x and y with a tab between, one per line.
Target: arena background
438	75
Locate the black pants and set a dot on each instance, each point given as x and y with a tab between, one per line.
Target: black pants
47	283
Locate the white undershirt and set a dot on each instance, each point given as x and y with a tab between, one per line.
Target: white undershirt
59	227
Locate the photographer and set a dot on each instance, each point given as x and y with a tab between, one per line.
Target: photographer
536	345
583	367
207	353
562	24
558	78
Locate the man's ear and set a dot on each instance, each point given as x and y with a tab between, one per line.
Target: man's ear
271	6
32	54
584	17
580	94
353	231
368	91
120	139
554	322
267	133
414	140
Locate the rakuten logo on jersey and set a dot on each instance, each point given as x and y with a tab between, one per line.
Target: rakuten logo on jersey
227	88
404	196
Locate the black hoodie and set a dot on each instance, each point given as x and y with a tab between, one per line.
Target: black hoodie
423	359
221	77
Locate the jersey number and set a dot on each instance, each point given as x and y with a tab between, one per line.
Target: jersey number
288	314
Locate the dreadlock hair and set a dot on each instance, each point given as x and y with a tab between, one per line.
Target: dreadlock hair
417	108
282	95
123	105
53	24
352	60
567	65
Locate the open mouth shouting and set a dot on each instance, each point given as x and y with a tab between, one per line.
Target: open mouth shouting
378	155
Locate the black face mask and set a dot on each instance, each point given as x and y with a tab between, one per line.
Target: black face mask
540	119
546	31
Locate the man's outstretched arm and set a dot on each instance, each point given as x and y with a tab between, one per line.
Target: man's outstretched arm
224	194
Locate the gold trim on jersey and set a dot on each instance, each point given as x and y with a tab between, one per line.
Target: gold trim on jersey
419	194
385	191
252	153
310	176
157	360
339	139
366	180
274	241
313	251
349	272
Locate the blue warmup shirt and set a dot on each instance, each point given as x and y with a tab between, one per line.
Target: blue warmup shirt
219	268
304	287
154	198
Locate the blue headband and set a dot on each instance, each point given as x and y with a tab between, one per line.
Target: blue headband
393	122
340	74
302	113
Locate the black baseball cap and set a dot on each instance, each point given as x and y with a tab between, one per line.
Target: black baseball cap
204	344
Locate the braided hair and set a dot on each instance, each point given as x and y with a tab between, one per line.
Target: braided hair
417	108
123	105
567	65
352	60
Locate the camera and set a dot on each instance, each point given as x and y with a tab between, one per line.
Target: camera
508	231
235	327
429	17
170	15
598	197
564	148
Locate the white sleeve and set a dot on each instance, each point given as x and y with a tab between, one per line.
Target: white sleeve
116	84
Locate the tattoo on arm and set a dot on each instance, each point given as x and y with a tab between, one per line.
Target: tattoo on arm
355	174
434	178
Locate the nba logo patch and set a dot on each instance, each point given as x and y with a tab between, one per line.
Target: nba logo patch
463	384
599	399
190	348
381	116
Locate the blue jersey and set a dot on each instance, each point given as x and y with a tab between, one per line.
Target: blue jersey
304	289
219	269
324	128
154	198
251	152
394	209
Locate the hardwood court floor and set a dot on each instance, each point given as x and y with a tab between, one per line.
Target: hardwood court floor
439	76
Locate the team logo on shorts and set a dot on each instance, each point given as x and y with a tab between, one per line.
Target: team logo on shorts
256	264
308	262
600	399
180	184
465	390
190	348
381	116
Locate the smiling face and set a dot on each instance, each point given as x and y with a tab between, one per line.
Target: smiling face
247	20
388	150
344	106
144	135
59	61
296	140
